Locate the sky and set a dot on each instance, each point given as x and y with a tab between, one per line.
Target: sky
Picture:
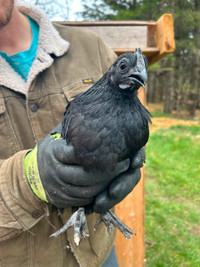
76	7
55	12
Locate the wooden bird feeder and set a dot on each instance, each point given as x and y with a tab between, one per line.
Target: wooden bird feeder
156	39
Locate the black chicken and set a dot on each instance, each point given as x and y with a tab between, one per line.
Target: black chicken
105	125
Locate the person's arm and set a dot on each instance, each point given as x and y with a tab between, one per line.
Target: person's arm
20	209
50	167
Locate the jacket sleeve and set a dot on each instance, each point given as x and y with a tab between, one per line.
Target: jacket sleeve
19	208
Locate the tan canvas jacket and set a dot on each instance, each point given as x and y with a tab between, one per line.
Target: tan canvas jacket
28	112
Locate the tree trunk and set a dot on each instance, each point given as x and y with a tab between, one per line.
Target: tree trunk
168	89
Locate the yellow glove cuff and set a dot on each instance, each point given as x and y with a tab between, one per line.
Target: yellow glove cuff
32	174
56	136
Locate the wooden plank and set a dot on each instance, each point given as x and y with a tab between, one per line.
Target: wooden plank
119	35
109	23
151	38
122	36
133	34
164	37
155	38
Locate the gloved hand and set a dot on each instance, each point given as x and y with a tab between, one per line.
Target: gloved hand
55	178
120	186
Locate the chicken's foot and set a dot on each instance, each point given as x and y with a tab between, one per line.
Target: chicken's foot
108	218
78	220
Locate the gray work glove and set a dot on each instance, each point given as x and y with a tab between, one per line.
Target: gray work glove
120	186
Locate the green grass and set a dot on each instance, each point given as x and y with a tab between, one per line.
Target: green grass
173	198
156	114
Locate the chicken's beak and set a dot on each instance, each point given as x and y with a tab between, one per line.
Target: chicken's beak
143	75
140	77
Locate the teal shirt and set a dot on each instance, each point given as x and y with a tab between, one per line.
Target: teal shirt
22	61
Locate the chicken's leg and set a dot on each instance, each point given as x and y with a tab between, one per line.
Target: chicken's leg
78	220
108	218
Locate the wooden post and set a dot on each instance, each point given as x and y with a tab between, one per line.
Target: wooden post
131	212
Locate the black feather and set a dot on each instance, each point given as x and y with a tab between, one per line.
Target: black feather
107	123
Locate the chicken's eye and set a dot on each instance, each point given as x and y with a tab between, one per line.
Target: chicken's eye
123	66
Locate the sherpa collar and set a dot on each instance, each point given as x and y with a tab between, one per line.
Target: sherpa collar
50	42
